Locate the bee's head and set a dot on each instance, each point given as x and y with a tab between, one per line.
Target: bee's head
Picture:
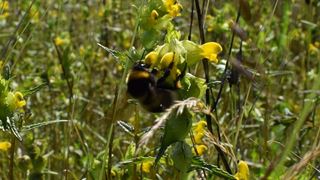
140	81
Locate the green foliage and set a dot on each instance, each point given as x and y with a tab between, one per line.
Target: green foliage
70	60
172	134
182	156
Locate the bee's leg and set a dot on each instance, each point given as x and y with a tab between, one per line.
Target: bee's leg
166	73
183	73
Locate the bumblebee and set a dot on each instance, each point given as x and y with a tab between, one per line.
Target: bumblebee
154	93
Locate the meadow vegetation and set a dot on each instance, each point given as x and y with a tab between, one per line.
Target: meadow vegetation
246	71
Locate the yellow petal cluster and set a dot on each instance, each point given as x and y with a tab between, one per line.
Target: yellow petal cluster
198	137
243	171
166	60
201	149
154	16
59	41
146	166
173	7
5	145
199	132
199	128
15	100
314	48
4	7
151	58
210	51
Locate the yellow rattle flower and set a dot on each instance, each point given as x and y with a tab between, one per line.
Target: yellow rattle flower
5	145
210	51
243	171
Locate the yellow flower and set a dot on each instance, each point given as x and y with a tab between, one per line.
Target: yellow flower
201	149
34	14
166	60
168	3
198	138
5	145
243	171
59	41
20	102
154	15
101	11
172	7
146	166
313	49
200	126
4	15
210	51
199	130
151	58
4	5
210	25
15	100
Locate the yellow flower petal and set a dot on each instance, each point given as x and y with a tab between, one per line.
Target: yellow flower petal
166	60
20	102
243	171
198	138
174	10
4	5
146	166
172	7
15	100
312	49
168	3
151	58
200	126
59	41
5	145
201	149
101	11
154	15
210	51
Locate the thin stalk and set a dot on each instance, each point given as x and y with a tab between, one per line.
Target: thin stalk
224	76
13	37
110	146
191	20
11	162
206	70
110	135
308	106
241	117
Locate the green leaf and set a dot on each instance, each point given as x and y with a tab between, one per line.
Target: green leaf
126	127
198	163
192	87
182	156
13	129
172	134
114	53
150	38
193	52
34	90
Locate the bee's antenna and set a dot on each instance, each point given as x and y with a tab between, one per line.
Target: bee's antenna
143	53
183	73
